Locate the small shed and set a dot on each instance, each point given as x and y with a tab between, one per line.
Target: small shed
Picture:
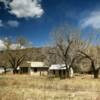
57	70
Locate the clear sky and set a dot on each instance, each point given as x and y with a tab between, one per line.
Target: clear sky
35	19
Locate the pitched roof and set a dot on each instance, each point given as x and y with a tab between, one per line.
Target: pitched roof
33	64
36	64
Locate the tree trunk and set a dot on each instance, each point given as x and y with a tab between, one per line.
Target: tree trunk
15	71
95	71
96	74
5	70
68	73
71	72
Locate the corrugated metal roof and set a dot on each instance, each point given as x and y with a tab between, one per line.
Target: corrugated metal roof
57	67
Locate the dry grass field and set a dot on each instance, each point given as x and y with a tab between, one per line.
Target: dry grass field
26	87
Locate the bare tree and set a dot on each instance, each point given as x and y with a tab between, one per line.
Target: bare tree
15	59
7	42
50	55
3	61
66	44
17	56
92	53
4	55
94	67
23	42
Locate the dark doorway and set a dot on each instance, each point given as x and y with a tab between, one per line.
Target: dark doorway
59	72
64	72
35	69
54	72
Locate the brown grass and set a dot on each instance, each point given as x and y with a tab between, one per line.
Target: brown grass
26	87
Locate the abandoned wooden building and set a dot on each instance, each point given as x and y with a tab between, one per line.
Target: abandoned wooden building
57	70
33	67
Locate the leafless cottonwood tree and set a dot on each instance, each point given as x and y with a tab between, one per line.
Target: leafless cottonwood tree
94	63
50	56
3	61
66	43
22	43
4	55
15	57
93	54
